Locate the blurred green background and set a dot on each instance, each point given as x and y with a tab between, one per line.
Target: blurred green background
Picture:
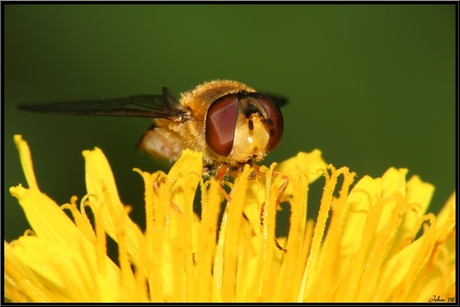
371	86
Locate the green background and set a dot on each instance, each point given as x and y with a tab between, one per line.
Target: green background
371	86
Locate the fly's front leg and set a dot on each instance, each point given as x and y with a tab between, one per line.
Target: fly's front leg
156	186
283	186
281	190
221	172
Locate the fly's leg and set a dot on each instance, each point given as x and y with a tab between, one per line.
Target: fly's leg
283	186
221	172
281	190
156	186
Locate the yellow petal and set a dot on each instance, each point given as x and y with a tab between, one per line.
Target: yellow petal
418	194
22	284
399	272
49	260
48	220
26	161
103	194
393	183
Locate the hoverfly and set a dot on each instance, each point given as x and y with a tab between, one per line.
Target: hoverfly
228	121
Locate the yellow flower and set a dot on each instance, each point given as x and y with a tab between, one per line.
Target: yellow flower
369	251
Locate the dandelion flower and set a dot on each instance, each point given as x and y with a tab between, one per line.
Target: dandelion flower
363	247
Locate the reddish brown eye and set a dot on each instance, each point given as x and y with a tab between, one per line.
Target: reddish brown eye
274	121
221	123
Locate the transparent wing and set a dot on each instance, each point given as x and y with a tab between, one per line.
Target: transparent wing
153	106
281	101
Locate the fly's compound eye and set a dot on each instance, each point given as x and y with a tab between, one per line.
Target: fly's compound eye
273	119
221	123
